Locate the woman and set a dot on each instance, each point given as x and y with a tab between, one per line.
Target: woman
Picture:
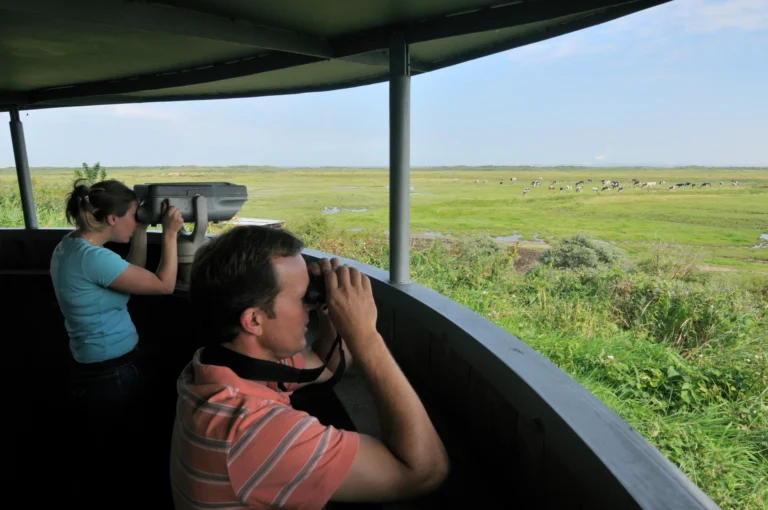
92	286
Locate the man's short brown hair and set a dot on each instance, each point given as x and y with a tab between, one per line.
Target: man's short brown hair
234	271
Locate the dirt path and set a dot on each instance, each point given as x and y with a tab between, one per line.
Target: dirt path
420	238
705	267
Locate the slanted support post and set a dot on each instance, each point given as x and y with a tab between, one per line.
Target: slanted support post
399	159
22	170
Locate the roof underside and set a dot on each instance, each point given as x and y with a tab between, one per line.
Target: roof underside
88	52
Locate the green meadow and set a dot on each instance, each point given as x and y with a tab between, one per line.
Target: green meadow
722	223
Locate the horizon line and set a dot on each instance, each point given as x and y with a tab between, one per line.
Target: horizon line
386	167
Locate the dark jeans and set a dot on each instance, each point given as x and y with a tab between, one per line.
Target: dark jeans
106	427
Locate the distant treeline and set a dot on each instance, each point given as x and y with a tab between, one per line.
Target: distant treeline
465	168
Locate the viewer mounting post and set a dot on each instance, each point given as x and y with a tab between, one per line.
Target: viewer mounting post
399	158
22	170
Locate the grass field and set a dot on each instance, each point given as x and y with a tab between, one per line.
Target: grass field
724	222
681	354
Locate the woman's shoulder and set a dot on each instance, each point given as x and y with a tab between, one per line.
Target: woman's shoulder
77	250
73	246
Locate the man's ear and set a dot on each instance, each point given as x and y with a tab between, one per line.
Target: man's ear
252	321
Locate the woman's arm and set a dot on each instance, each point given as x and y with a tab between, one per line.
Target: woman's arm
137	280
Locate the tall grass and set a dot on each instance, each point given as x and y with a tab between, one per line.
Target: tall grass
49	205
680	356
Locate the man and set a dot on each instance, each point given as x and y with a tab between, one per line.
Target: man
237	442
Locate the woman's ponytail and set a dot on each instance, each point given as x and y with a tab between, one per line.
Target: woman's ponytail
88	206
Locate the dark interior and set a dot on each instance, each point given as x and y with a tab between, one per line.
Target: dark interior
168	339
167	342
520	433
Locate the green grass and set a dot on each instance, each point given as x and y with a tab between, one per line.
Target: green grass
679	354
723	222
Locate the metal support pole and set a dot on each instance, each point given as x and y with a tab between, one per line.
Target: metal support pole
399	160
22	170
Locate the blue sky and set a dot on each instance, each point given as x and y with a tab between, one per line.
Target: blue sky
682	83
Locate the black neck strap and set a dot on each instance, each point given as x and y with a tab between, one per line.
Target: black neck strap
269	371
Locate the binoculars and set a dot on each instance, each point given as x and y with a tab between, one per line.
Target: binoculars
316	290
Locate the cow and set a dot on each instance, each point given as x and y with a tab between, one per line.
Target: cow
595	189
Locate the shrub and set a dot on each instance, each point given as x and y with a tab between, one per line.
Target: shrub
579	251
673	261
312	230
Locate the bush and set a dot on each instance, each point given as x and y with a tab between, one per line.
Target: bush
687	315
92	174
579	251
311	230
673	261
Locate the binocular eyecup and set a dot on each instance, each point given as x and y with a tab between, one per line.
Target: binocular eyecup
316	290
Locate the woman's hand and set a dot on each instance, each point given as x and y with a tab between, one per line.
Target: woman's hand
172	219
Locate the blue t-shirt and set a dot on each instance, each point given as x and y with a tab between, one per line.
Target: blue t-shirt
95	316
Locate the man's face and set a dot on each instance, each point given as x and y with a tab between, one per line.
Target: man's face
285	334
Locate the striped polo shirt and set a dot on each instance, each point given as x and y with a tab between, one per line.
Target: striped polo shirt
239	444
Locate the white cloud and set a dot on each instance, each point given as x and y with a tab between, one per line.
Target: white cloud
601	156
143	112
578	43
708	16
651	31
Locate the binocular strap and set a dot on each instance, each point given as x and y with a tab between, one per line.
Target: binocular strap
269	371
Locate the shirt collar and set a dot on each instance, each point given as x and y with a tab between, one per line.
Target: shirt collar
214	374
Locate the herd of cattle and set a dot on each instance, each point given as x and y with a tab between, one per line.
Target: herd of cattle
606	185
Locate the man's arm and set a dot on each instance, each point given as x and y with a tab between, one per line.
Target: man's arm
410	459
138	252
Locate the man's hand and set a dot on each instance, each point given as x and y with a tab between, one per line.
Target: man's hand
322	266
350	304
327	331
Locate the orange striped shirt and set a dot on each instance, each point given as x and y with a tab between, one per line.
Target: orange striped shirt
239	444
